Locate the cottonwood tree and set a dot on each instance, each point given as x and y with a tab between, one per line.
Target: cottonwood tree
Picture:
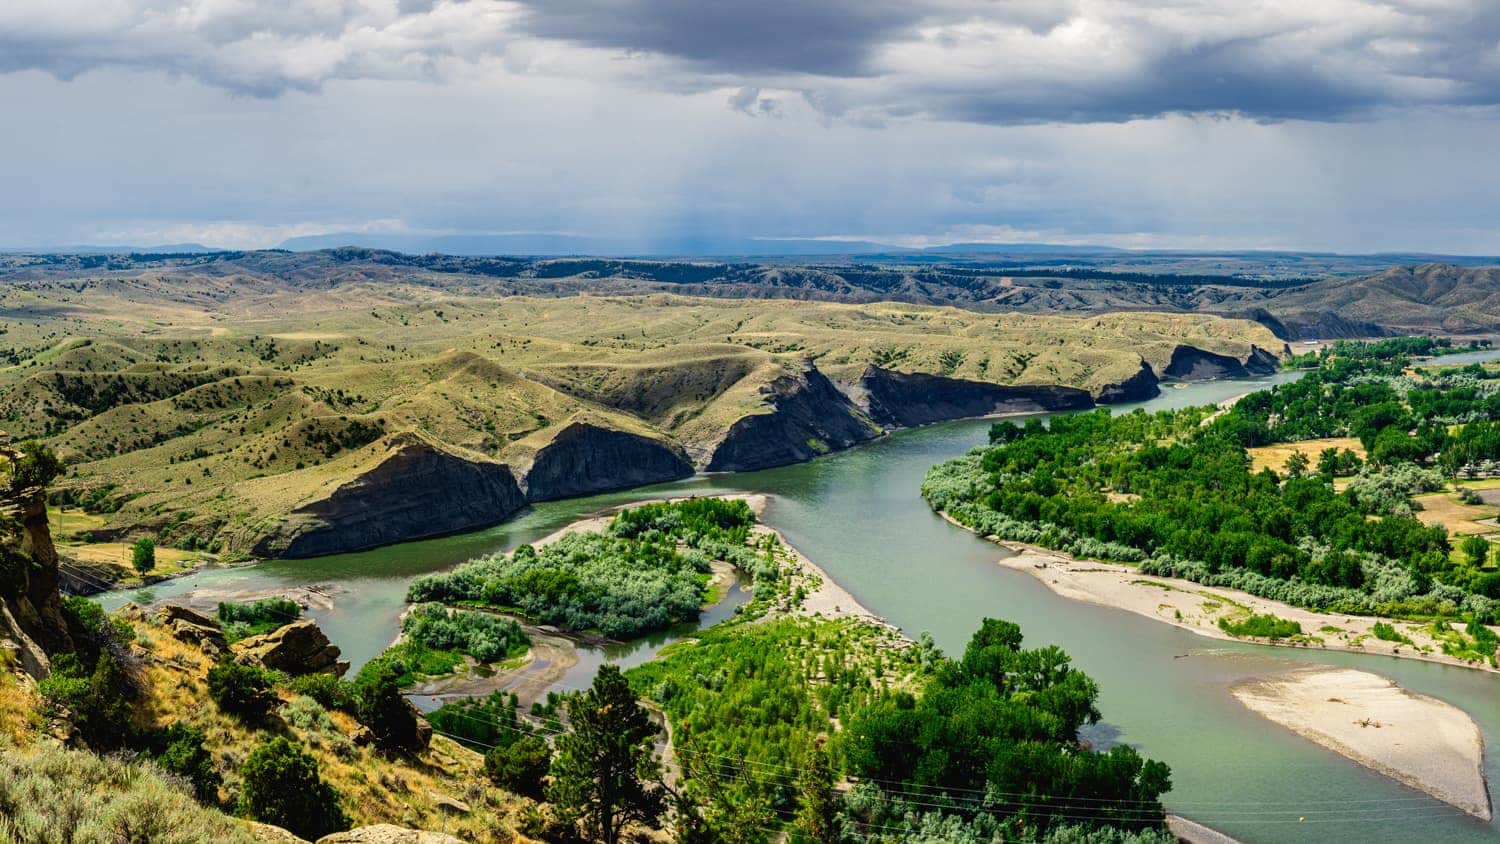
606	775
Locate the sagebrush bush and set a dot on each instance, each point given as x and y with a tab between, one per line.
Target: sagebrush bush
49	794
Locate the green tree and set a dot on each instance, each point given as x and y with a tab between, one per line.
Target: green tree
606	776
818	817
282	786
37	465
1476	549
379	705
521	766
143	555
1296	465
1329	462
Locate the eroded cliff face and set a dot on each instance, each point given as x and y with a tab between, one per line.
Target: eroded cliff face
417	490
808	417
584	458
31	617
1193	364
1138	387
902	400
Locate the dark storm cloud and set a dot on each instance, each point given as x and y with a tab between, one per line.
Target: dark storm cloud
827	38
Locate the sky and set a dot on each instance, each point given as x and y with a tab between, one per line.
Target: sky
1339	125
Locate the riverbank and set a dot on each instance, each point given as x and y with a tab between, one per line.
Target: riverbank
1420	741
1193	606
1417	740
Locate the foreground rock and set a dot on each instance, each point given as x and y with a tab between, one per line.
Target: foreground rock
296	648
387	834
1419	741
382	833
31	617
194	628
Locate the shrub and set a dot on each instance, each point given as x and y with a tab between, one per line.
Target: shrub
257	617
179	750
1266	626
282	786
241	690
37	466
50	793
329	691
307	715
380	707
100	701
1387	633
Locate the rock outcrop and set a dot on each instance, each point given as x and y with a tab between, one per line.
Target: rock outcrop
297	648
584	458
1138	387
1193	364
806	417
903	400
30	605
417	489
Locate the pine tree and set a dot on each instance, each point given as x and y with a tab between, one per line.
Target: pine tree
606	776
818	816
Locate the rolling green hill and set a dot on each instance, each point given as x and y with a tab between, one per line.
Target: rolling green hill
303	414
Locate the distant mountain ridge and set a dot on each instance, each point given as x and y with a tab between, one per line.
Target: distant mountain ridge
1425	298
557	245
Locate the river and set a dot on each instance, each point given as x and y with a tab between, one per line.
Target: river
858	514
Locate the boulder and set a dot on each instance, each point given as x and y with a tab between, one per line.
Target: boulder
296	648
194	628
272	834
387	834
452	805
169	613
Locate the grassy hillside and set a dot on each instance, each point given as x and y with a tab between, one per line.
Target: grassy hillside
203	401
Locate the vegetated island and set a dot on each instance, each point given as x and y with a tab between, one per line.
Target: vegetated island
616	575
1423	742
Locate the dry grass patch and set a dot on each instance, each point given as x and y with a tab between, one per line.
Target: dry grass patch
1274	457
1444	508
169	561
403	790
